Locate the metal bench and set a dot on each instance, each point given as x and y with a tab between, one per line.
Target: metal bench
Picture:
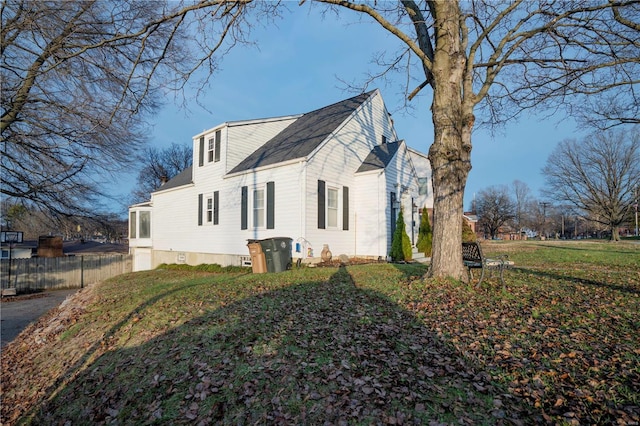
473	258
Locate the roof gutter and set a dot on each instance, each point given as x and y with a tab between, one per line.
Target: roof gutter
267	167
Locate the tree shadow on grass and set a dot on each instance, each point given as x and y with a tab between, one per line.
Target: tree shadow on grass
309	353
545	274
572	247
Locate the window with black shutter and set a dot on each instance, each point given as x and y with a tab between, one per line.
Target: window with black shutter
271	209
345	208
244	207
216	207
321	204
217	147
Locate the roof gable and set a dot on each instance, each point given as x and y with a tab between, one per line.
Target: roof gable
303	136
379	157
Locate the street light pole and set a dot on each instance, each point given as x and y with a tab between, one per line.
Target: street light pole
544	205
636	207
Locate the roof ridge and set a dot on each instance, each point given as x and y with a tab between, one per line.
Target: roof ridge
304	135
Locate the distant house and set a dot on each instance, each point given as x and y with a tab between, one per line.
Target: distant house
12	245
15	251
338	175
472	220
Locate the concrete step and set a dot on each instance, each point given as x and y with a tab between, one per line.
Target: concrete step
419	256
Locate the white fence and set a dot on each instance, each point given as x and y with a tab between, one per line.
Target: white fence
48	273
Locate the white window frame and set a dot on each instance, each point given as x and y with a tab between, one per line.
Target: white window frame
211	149
209	209
330	209
146	213
133	224
259	213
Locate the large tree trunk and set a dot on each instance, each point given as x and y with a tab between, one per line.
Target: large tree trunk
450	153
615	233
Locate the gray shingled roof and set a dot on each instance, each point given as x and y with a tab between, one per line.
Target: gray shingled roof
182	178
379	157
302	136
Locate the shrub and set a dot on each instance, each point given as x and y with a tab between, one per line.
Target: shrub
425	235
468	236
400	244
204	267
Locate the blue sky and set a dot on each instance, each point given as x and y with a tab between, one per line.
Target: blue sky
297	66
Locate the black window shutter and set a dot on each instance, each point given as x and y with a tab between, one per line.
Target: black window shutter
321	204
201	153
271	209
244	213
216	207
199	209
217	148
345	208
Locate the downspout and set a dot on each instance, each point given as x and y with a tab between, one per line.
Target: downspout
303	204
384	207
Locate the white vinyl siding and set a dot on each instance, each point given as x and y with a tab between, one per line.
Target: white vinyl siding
336	162
246	138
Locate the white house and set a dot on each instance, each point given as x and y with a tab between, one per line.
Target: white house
337	176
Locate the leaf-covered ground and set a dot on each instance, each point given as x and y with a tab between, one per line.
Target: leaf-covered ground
364	344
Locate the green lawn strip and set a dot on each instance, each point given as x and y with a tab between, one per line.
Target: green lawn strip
553	254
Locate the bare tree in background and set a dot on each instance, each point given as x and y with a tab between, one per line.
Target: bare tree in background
495	208
497	59
521	196
597	175
79	78
160	165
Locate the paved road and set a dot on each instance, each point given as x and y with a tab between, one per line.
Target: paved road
17	314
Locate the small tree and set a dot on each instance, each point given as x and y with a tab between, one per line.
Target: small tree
401	244
425	235
494	208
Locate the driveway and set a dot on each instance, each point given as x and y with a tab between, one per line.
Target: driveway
17	313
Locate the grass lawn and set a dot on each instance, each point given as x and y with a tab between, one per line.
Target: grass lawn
363	344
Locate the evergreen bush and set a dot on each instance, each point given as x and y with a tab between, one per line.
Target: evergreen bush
425	234
401	243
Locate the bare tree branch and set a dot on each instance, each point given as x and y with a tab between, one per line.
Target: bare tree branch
79	79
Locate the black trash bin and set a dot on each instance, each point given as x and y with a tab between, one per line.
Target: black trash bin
277	253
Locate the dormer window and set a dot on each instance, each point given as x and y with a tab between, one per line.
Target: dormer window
211	149
214	147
